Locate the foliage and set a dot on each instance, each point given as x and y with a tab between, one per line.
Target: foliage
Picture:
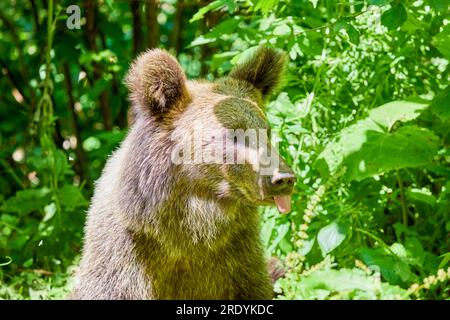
363	118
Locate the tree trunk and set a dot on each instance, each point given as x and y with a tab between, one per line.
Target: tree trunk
152	24
137	32
175	39
91	32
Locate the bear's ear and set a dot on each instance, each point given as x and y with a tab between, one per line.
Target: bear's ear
156	81
263	69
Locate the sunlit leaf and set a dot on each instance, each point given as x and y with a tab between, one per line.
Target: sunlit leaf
266	5
210	7
368	147
281	232
419	195
282	30
331	236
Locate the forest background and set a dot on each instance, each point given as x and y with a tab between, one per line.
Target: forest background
363	118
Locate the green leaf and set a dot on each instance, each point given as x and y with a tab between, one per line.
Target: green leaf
265	6
28	263
421	196
442	41
210	7
392	268
307	246
314	3
71	197
225	27
61	164
394	17
282	230
441	104
99	86
18	242
109	3
266	231
440	5
201	40
340	25
50	211
388	114
351	31
369	147
353	34
27	201
379	2
410	146
416	255
282	30
243	56
344	284
285	245
445	260
331	236
399	250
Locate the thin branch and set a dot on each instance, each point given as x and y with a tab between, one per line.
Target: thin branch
14	80
23	70
81	162
403	200
13	175
35	14
374	237
211	20
91	31
330	24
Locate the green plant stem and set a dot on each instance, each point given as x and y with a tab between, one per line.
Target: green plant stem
331	24
402	199
6	263
49	44
50	31
12	173
370	235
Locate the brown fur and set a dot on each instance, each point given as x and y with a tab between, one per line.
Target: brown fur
156	230
262	70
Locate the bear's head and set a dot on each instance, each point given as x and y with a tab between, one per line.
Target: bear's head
220	139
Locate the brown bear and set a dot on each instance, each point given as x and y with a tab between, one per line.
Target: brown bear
160	228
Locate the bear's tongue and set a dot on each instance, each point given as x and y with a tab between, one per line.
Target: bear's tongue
283	203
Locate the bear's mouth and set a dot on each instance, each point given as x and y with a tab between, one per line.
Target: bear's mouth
283	203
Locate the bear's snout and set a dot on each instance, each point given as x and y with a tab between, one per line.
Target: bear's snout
279	186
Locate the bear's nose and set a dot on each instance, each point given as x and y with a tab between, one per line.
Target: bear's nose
282	180
280	183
